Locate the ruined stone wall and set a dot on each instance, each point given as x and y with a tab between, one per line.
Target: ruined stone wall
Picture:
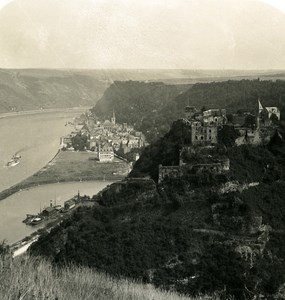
255	137
168	171
201	134
214	168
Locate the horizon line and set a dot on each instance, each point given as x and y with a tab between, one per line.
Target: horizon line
143	69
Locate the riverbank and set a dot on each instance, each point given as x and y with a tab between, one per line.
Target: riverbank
69	166
22	245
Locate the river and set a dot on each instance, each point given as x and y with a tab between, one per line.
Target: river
36	138
13	209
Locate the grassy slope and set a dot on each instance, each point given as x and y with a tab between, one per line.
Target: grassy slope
30	278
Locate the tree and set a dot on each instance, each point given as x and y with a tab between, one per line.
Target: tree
227	135
250	121
274	119
79	142
4	249
4	254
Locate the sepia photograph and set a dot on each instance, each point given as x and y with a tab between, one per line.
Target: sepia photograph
142	149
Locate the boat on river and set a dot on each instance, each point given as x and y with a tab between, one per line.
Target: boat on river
33	220
36	221
14	161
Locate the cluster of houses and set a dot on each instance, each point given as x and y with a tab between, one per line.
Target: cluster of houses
203	127
53	211
104	138
261	129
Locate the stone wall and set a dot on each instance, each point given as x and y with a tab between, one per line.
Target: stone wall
168	171
201	134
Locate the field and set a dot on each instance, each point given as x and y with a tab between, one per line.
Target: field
73	166
29	278
70	166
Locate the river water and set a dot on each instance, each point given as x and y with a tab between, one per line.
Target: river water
13	209
36	138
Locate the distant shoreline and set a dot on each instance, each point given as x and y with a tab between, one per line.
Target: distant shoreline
25	186
38	111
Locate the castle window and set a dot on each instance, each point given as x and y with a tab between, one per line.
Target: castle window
202	137
196	137
210	130
210	137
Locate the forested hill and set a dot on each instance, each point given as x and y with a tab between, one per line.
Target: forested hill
138	103
234	95
37	89
198	233
152	107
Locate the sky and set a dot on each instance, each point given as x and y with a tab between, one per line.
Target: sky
147	34
279	4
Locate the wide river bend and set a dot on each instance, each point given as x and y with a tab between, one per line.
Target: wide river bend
36	138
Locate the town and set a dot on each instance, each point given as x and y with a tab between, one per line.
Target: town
105	139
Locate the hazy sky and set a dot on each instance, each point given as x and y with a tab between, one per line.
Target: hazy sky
188	34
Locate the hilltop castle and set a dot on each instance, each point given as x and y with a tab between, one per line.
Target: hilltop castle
204	124
254	129
203	127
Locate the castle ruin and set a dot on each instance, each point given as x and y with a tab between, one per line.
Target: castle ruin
203	127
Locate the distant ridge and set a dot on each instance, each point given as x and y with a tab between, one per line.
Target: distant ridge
32	89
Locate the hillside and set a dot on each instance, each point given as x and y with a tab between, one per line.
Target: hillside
152	107
234	95
29	278
41	89
137	103
162	233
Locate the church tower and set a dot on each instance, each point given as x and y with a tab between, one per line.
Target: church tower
113	119
260	109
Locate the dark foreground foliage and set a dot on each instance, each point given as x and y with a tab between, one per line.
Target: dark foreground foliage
157	242
184	233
